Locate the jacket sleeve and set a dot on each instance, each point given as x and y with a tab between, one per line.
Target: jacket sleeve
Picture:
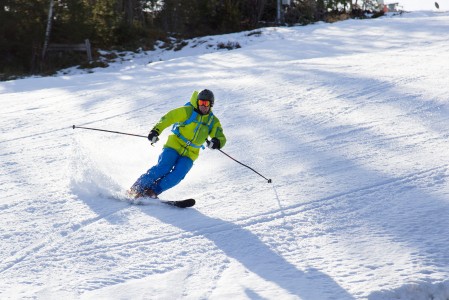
217	132
176	115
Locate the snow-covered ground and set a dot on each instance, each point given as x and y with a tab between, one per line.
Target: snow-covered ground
350	120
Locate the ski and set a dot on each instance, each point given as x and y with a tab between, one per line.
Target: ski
155	201
176	203
180	203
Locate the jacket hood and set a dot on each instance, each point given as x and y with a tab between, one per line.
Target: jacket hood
193	99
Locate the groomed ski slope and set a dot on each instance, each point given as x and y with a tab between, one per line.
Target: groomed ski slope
350	120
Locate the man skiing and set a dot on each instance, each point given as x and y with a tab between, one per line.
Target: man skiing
193	124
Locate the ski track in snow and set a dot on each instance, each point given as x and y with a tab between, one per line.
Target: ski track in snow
353	134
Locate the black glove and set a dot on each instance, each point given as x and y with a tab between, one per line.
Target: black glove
214	143
153	136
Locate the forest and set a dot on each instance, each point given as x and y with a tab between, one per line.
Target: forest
29	29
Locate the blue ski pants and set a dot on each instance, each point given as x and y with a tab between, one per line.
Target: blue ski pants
168	172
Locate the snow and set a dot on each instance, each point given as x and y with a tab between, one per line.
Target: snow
350	120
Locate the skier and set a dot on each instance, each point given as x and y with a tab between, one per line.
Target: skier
193	124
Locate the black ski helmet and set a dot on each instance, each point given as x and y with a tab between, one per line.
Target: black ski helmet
206	95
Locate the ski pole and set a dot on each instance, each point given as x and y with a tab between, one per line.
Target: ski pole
109	131
269	180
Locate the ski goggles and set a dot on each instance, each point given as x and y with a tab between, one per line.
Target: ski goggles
204	103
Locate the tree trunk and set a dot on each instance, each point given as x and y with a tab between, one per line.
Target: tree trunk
48	31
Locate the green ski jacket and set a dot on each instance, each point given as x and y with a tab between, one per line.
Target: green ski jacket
191	129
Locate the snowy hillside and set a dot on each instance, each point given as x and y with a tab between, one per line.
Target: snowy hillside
350	120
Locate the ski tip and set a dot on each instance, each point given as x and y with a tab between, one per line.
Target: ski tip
187	203
182	203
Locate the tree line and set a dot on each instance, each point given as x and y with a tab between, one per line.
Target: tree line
26	26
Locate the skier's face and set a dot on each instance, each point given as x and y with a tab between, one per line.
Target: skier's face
204	106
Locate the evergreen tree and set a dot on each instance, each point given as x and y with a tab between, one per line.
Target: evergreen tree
21	34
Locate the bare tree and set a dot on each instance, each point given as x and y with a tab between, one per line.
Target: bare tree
48	30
